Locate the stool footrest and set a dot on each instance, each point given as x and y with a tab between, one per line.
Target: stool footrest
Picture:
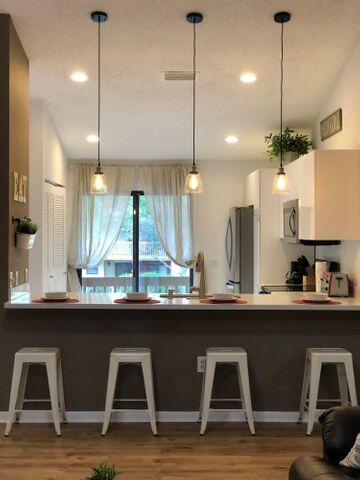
31	400
226	400
130	400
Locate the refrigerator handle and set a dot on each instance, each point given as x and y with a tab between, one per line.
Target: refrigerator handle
229	233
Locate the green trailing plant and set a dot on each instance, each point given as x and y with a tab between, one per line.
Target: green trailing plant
291	142
103	472
26	226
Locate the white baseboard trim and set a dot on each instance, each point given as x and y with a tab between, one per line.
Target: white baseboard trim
127	416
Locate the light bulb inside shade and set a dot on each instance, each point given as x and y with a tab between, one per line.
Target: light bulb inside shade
193	182
281	183
98	183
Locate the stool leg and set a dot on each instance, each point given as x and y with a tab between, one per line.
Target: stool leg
245	389
349	368
51	369
315	371
343	385
149	390
22	388
113	372
15	384
61	392
202	395
305	389
209	380
241	389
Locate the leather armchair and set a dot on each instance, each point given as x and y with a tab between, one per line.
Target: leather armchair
339	426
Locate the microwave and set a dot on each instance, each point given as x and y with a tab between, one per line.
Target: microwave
291	221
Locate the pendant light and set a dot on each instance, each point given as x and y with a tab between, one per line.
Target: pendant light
281	180
193	180
98	179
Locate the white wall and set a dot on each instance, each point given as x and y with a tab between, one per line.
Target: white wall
345	94
47	161
224	187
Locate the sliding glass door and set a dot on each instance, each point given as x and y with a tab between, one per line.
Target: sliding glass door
137	261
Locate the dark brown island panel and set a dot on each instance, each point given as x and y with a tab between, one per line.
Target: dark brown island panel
275	340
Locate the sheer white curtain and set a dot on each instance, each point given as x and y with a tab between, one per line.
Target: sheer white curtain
96	219
170	208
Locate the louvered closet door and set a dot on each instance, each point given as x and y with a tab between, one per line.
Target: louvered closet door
54	258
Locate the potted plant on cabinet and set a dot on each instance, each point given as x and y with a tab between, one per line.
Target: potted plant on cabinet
103	472
25	234
294	145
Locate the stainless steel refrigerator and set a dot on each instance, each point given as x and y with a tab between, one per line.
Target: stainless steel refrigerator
240	242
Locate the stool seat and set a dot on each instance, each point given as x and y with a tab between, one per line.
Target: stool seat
315	359
120	356
223	355
131	355
50	357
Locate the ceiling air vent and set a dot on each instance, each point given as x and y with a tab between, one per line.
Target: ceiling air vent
176	76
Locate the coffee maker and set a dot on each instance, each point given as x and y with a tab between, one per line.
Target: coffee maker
294	276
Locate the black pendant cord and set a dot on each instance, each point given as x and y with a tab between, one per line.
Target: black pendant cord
194	98
99	96
281	93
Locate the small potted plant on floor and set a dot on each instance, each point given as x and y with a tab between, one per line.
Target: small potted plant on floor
25	234
103	472
294	145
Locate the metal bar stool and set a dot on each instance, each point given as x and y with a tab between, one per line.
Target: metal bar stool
50	357
214	356
315	359
119	356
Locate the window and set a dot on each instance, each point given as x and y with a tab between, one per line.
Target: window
137	261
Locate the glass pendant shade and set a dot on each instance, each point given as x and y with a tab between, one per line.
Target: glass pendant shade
281	182
193	182
98	182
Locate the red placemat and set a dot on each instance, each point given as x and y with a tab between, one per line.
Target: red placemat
44	300
134	302
209	301
308	302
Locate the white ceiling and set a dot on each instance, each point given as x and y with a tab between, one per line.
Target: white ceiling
145	118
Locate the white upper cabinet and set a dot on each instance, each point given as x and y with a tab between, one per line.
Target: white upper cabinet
327	185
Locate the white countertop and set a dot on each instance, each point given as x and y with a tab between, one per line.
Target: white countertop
105	301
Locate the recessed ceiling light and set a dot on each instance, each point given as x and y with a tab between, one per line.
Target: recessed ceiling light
248	77
231	139
92	138
79	77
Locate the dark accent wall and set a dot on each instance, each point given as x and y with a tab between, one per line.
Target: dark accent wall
14	147
275	341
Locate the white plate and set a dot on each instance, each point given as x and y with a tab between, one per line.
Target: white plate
223	296
56	295
317	300
137	296
316	297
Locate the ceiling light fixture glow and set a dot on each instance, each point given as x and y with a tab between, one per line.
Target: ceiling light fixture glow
92	138
248	77
231	139
79	77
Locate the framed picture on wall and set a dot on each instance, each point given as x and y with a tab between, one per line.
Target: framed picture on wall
20	199
24	188
16	186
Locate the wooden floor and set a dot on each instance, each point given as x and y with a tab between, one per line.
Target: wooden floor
226	452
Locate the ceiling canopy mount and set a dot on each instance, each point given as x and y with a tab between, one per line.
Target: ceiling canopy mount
282	17
194	17
99	17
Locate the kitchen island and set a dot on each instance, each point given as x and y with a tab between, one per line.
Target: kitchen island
274	331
